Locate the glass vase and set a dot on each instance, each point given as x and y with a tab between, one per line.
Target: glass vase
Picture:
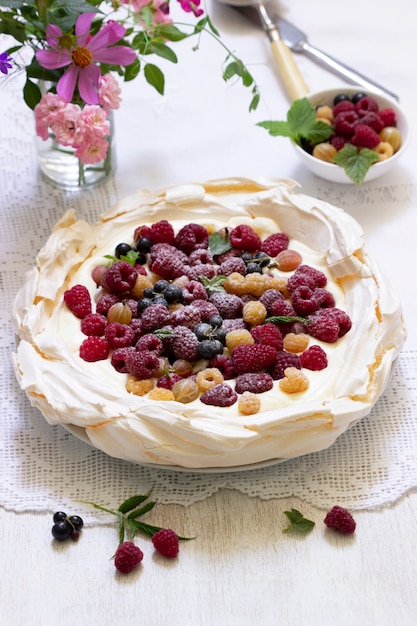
59	166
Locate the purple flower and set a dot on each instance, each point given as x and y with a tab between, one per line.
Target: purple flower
82	53
5	63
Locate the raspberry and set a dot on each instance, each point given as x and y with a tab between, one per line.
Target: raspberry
345	123
119	359
224	363
191	237
105	302
254	382
274	244
306	275
282	308
365	105
328	324
119	277
338	142
388	117
78	300
244	237
233	324
155	316
253	358
142	364
167	381
268	334
296	343
208	378
294	381
149	342
282	361
119	335
303	300
188	316
268	298
127	557
194	290
365	137
232	264
207	309
373	120
254	312
167	261
228	305
165	541
94	349
219	395
324	298
185	344
343	105
201	256
161	232
249	403
314	358
341	520
93	324
201	269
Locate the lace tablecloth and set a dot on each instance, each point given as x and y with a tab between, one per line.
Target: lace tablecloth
371	465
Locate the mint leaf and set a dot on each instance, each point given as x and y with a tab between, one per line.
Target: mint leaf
219	243
301	124
213	285
355	161
132	502
287	319
298	522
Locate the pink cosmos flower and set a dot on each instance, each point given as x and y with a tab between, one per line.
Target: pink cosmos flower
82	54
109	93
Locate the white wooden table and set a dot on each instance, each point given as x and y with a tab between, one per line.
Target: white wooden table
241	569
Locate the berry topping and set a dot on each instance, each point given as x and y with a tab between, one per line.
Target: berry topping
244	237
78	300
191	237
127	557
253	358
94	349
165	542
314	358
340	520
365	137
254	382
219	395
274	244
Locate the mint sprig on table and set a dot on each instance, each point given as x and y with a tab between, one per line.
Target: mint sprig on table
129	512
298	522
302	126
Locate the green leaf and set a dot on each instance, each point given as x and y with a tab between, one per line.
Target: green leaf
163	333
171	32
301	124
132	502
155	77
100	508
160	49
31	94
219	243
298	522
286	319
213	285
144	509
356	162
132	70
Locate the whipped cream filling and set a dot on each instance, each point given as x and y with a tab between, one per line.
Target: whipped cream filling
90	398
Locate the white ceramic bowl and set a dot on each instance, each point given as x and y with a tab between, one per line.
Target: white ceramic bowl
335	173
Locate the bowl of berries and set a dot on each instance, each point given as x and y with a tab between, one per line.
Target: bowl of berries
345	135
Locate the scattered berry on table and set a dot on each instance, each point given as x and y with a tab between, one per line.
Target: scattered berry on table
166	542
127	557
341	520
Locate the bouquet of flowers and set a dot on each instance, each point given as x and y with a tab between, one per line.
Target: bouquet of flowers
79	47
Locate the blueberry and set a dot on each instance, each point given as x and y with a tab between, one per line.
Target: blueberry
122	249
358	96
252	268
148	293
202	331
246	256
143	304
173	293
61	530
208	348
59	516
215	321
76	522
160	286
340	98
144	245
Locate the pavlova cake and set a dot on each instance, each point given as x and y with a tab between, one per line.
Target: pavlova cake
207	326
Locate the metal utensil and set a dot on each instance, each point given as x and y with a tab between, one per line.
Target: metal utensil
289	71
297	41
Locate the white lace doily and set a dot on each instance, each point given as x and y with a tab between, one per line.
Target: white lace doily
44	467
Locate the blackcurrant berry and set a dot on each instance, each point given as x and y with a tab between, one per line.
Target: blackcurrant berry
59	516
358	96
144	245
173	293
122	249
76	521
61	530
160	286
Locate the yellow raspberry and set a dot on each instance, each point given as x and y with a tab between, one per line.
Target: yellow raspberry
237	338
206	379
249	403
296	343
142	282
139	387
254	312
235	284
160	393
255	284
294	381
278	283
